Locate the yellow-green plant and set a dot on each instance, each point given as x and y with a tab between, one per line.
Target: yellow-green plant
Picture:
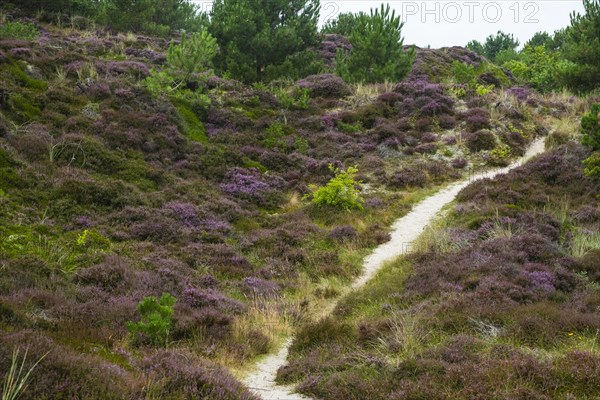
341	191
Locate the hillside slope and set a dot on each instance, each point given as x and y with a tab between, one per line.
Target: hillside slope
109	195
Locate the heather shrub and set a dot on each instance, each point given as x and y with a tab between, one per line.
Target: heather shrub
374	235
341	191
342	233
251	185
409	176
325	85
476	119
423	98
110	276
155	320
459	163
481	140
182	375
64	373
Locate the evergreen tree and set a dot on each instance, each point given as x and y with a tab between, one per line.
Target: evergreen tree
158	17
344	24
500	43
265	39
377	49
582	47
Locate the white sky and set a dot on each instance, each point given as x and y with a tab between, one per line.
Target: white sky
454	23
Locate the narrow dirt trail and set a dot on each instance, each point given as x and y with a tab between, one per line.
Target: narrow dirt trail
404	231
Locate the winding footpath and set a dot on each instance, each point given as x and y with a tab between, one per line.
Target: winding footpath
404	231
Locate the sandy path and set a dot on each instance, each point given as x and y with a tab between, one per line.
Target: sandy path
404	231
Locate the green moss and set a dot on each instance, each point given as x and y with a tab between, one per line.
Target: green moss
248	163
194	128
5	159
23	79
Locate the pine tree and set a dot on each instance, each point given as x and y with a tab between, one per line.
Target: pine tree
261	40
377	49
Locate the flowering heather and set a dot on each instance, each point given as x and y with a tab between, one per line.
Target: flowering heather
150	55
124	67
522	93
342	233
186	213
184	375
199	298
423	98
325	85
476	118
245	183
261	287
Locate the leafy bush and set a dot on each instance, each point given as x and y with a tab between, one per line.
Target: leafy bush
18	30
156	320
500	155
539	67
340	191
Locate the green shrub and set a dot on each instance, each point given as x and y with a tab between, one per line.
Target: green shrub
18	30
592	165
274	133
298	98
156	320
482	90
500	155
340	191
590	127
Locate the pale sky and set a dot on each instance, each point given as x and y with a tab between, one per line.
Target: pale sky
455	23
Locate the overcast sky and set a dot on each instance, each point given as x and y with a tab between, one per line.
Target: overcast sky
455	23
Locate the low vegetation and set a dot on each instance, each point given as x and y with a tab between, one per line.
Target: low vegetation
499	300
174	203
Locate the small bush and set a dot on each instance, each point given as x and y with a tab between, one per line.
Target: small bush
156	320
340	191
18	30
481	140
325	85
592	164
590	127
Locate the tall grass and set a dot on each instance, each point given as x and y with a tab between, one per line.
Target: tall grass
15	381
584	241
